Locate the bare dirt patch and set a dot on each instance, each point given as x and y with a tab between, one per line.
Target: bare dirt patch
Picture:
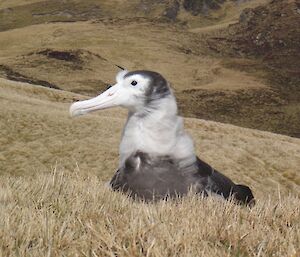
10	74
50	66
69	56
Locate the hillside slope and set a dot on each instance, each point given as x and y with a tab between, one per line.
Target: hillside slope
40	45
53	169
54	200
37	134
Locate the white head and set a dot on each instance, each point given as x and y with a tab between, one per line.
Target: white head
134	90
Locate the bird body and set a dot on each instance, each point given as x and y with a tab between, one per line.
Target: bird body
157	177
157	157
160	132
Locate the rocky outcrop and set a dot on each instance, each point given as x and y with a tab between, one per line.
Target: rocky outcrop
197	7
269	32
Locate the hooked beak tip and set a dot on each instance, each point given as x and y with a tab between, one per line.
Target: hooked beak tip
74	111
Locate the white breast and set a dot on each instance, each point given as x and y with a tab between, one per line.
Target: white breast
159	133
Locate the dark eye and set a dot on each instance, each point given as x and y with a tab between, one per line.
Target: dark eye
134	83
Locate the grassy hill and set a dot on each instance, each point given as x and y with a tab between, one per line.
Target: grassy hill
37	134
54	200
53	169
212	81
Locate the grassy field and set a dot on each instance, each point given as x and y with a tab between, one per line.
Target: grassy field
54	201
71	214
53	169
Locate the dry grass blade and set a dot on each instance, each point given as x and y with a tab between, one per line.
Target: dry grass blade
71	214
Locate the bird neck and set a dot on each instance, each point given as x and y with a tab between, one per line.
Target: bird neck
157	130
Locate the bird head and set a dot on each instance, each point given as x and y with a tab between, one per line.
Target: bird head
133	90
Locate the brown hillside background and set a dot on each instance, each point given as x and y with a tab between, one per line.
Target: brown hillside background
234	62
234	68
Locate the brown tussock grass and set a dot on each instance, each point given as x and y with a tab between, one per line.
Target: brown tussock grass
71	214
67	211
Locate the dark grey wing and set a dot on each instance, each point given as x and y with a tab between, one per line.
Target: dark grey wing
217	182
204	169
224	186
